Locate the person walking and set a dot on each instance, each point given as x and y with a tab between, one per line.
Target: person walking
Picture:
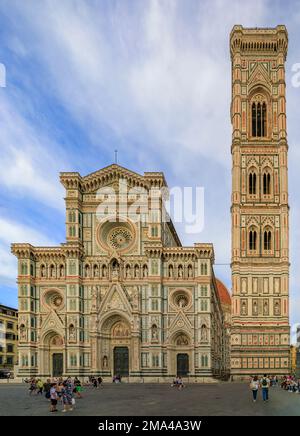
265	384
40	386
67	393
254	385
53	398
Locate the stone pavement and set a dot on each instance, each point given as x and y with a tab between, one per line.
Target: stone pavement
156	400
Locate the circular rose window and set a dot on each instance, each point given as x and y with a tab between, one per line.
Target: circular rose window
118	236
54	299
181	299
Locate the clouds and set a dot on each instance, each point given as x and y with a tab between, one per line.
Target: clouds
150	78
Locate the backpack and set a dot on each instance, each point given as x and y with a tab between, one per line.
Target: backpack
264	382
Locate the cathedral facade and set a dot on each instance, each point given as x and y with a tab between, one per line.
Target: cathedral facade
260	212
121	296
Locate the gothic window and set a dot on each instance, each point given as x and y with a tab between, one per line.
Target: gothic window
259	119
267	239
252	240
252	183
266	183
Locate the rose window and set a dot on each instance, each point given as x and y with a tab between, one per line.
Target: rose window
120	238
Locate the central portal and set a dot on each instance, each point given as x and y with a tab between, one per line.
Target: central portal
57	364
182	365
121	361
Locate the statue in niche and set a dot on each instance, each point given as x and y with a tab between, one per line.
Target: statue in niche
255	309
180	271
128	272
115	270
266	309
105	362
23	332
72	332
203	332
244	309
276	308
154	332
94	298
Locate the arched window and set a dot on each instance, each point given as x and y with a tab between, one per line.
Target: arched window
252	183
252	239
266	183
259	119
267	240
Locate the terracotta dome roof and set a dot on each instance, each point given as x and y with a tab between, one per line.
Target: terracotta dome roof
223	292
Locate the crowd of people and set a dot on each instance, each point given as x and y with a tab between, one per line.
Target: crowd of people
178	383
289	383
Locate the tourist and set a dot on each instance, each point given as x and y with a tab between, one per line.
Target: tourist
78	388
59	389
53	398
95	383
100	381
32	387
265	384
40	386
67	394
254	385
47	386
180	384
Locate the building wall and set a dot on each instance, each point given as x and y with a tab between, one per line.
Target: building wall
260	333
118	283
8	337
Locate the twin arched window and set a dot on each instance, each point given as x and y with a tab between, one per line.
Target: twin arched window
267	240
266	182
259	119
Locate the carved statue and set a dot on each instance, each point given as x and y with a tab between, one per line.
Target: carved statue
23	332
203	333
105	362
72	332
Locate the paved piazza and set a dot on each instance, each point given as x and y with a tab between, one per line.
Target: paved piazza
155	400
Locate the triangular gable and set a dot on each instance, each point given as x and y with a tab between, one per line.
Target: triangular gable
116	298
110	176
53	322
180	323
259	75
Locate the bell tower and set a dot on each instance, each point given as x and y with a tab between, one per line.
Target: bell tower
259	204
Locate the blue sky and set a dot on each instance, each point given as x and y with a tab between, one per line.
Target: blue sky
150	78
